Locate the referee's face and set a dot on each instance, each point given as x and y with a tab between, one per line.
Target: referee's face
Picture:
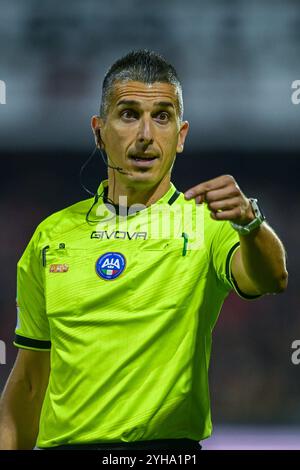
142	131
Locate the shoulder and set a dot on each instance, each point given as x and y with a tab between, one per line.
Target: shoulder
62	222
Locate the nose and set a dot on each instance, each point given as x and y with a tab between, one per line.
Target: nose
145	131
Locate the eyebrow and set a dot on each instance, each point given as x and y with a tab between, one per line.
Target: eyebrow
164	104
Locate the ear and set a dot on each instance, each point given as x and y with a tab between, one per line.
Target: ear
184	127
96	127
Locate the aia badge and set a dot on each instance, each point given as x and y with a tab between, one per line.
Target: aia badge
110	265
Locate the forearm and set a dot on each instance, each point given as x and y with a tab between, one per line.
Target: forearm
263	258
19	416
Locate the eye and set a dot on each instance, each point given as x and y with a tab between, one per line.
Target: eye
128	114
163	116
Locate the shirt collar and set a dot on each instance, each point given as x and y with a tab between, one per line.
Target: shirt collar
168	198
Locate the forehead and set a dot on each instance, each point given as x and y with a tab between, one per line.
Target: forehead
144	92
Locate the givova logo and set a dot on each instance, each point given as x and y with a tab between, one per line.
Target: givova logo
2	352
2	92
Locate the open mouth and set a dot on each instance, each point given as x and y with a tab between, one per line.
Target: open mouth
142	158
143	162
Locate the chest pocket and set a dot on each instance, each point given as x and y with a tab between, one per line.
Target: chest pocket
163	270
62	280
80	280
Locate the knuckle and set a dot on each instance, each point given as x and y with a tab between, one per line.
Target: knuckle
229	178
238	211
235	189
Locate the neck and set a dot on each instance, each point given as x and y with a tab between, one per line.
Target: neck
136	193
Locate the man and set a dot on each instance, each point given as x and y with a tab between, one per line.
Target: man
119	295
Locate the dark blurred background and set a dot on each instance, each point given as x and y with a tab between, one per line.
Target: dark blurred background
237	61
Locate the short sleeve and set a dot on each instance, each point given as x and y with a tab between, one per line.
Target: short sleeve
224	244
32	330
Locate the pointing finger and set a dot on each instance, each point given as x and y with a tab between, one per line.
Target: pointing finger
213	184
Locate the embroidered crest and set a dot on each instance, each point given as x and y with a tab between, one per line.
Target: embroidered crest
110	265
